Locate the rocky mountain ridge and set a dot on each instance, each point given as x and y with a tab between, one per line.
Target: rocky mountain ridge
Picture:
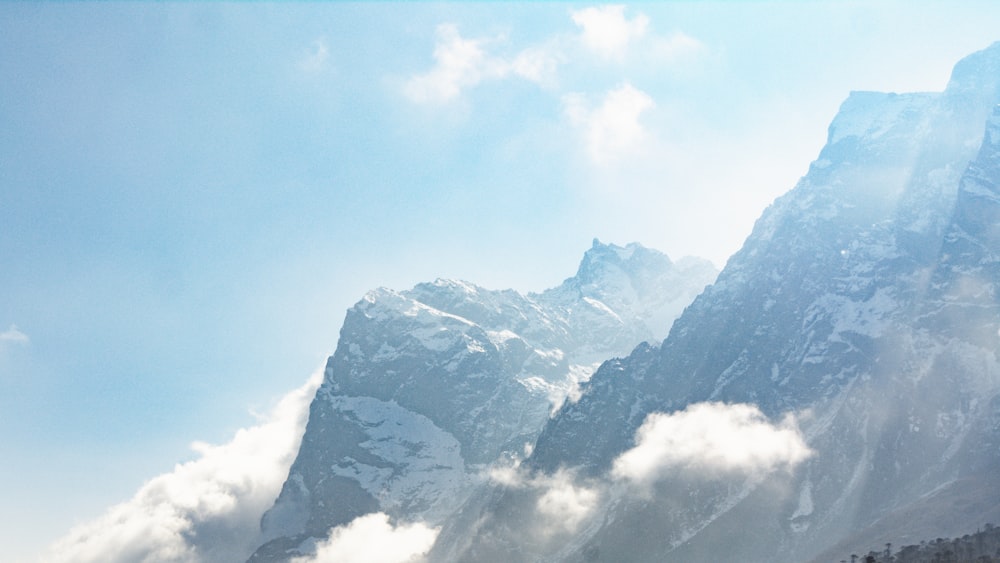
430	386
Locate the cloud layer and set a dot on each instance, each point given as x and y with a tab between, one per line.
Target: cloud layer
711	438
373	539
707	447
706	441
208	509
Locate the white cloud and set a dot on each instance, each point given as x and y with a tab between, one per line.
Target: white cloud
711	437
607	32
612	130
14	336
316	58
208	509
563	503
464	63
537	64
459	63
373	539
706	441
677	46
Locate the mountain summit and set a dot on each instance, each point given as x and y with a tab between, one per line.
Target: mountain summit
429	387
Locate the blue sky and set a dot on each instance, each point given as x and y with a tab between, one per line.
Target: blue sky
191	195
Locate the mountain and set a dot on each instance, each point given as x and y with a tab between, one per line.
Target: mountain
862	311
429	387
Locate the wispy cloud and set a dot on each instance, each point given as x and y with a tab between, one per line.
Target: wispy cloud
14	336
675	46
461	63
711	438
562	501
565	503
537	63
607	32
316	58
372	538
208	509
705	443
611	130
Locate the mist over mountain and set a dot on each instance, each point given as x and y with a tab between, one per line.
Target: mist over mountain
862	311
839	377
194	198
834	388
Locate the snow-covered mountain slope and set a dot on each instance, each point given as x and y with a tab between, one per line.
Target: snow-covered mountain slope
430	386
865	301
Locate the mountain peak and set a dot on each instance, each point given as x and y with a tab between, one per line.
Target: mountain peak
429	385
977	74
602	258
624	252
872	115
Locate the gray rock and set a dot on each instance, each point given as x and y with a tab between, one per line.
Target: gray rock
428	387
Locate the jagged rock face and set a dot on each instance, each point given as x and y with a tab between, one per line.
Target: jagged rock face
866	299
429	386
